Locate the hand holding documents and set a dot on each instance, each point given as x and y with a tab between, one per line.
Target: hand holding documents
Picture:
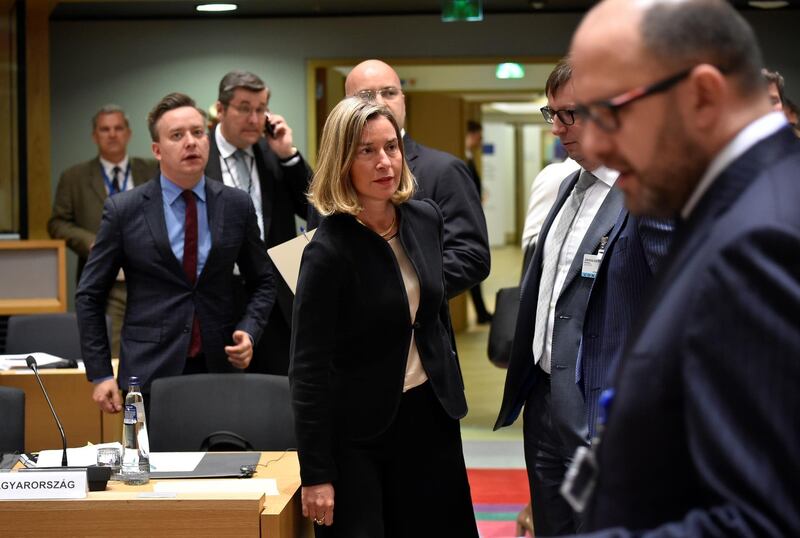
287	256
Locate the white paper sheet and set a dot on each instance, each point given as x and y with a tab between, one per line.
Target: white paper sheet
7	362
267	486
287	256
76	457
174	462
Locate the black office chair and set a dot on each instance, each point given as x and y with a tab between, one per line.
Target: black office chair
12	418
56	334
220	412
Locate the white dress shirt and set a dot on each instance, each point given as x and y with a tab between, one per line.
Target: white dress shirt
108	168
227	162
748	137
592	200
544	191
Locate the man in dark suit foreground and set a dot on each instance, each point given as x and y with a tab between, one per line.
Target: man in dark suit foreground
271	170
702	432
440	177
82	189
177	237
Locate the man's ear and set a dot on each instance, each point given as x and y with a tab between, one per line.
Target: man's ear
708	91
156	149
220	110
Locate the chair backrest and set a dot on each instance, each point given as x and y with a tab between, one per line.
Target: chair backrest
185	410
56	334
12	419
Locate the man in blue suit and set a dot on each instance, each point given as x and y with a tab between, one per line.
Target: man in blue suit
177	237
555	288
702	434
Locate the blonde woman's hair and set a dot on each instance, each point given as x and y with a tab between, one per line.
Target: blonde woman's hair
331	189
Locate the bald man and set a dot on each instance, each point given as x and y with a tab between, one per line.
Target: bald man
701	436
440	176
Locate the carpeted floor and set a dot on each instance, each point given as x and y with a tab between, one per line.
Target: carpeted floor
498	495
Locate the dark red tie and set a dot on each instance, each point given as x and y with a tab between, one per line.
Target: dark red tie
190	262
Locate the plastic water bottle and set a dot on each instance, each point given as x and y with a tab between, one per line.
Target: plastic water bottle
136	445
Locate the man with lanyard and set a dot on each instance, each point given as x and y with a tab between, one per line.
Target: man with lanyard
82	189
251	149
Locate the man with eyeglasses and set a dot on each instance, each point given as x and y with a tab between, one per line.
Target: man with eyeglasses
440	176
555	288
251	149
701	433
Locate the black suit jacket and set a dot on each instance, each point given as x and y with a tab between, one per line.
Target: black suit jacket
446	180
161	302
703	437
351	333
283	195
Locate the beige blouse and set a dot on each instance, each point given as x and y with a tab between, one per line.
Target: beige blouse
415	373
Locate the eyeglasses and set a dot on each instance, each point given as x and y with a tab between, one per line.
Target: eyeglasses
605	114
565	116
389	93
245	109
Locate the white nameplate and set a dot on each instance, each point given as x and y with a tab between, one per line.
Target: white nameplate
56	484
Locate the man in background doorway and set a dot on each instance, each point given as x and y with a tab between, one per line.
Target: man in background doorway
472	145
82	189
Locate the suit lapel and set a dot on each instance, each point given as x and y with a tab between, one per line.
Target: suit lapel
213	168
606	216
215	207
96	181
411	152
153	207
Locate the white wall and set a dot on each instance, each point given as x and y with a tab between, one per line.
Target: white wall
498	178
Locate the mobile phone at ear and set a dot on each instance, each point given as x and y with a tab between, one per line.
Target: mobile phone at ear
269	129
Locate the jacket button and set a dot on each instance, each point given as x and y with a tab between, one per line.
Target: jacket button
417	325
186	329
564	316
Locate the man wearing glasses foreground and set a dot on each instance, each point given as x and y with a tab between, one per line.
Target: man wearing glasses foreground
251	149
440	176
701	437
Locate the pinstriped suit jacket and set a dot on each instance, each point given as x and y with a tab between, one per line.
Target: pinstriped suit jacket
161	301
634	250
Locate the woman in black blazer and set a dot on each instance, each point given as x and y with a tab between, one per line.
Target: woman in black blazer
376	386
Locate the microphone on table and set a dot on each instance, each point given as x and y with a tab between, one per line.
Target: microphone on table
33	366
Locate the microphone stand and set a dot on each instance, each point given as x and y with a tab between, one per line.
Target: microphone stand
33	366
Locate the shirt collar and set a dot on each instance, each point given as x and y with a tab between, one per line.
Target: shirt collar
172	191
748	137
606	175
226	149
108	166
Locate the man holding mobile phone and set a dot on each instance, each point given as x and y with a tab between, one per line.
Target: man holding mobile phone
252	149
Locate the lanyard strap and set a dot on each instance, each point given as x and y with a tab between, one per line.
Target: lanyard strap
110	184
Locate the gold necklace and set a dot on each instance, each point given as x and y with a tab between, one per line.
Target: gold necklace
388	230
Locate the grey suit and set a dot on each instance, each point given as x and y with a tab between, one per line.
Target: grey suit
565	427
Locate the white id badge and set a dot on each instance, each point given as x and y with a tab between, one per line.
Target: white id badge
580	479
591	263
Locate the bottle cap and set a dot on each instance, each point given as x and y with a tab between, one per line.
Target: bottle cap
133	380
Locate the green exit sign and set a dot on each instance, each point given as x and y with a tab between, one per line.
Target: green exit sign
462	10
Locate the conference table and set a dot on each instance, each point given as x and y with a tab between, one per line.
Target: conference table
136	511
